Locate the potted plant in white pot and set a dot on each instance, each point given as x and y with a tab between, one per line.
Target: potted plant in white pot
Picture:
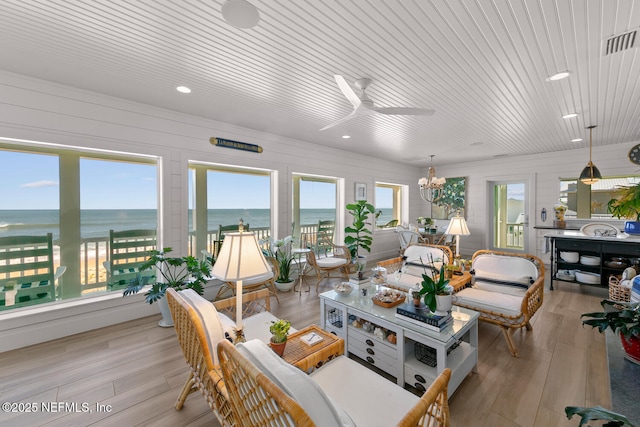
357	235
436	291
279	332
281	251
179	273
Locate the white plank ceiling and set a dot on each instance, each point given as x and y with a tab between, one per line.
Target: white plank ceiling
481	64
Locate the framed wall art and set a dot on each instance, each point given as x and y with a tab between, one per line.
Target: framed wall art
361	191
452	200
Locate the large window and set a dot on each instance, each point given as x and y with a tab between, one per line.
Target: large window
590	201
388	204
219	196
77	197
313	200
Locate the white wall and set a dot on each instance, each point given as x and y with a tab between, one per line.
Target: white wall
544	170
42	111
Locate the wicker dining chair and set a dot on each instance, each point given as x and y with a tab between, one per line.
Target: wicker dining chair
249	285
204	373
341	260
257	401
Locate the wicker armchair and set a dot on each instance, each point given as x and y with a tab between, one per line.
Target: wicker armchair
341	260
257	401
508	309
268	281
204	373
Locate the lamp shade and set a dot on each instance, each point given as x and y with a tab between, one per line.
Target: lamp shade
590	174
240	258
457	227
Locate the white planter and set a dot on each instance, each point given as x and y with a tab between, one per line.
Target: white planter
285	286
443	304
167	320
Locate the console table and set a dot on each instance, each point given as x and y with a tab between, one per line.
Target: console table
603	247
456	347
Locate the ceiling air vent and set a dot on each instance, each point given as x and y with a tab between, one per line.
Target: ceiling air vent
620	43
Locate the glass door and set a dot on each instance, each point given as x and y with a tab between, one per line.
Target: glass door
509	213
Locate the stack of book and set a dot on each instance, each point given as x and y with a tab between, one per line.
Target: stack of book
423	317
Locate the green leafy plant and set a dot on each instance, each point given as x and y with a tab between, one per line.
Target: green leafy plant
597	413
358	236
172	272
432	286
279	330
281	251
627	204
625	321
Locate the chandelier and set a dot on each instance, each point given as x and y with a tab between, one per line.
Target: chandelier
431	188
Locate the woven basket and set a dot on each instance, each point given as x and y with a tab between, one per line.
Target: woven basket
616	291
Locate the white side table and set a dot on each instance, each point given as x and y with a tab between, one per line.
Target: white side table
297	256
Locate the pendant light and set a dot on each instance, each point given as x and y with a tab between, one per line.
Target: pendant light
590	174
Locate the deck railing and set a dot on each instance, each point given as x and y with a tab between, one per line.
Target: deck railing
94	253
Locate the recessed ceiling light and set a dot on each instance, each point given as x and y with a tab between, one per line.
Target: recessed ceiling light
559	76
576	140
183	89
240	13
345	137
570	116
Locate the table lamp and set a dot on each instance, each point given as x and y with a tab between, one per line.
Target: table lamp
458	227
240	258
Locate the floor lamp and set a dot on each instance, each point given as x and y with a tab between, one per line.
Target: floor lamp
240	258
457	227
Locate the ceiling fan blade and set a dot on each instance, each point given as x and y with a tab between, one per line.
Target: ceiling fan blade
402	111
348	92
342	120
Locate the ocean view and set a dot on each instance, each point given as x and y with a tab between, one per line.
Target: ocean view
97	223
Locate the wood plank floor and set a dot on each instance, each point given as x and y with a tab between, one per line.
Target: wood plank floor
137	369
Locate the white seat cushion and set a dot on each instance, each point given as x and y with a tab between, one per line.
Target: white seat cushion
368	398
258	279
296	384
209	317
491	301
414	253
406	281
330	262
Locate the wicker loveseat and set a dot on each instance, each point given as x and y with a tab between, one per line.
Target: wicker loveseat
507	289
404	272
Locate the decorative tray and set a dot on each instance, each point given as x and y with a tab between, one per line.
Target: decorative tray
389	298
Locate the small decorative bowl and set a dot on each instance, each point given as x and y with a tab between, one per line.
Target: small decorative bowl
343	288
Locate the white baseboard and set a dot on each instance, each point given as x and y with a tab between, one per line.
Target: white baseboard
33	325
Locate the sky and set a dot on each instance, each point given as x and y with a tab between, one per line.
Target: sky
31	181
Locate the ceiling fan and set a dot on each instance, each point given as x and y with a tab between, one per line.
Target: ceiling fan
362	104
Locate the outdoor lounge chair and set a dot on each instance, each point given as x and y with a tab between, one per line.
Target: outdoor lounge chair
128	250
26	270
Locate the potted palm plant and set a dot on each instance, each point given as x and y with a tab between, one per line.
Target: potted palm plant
357	235
179	273
627	205
622	318
279	331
